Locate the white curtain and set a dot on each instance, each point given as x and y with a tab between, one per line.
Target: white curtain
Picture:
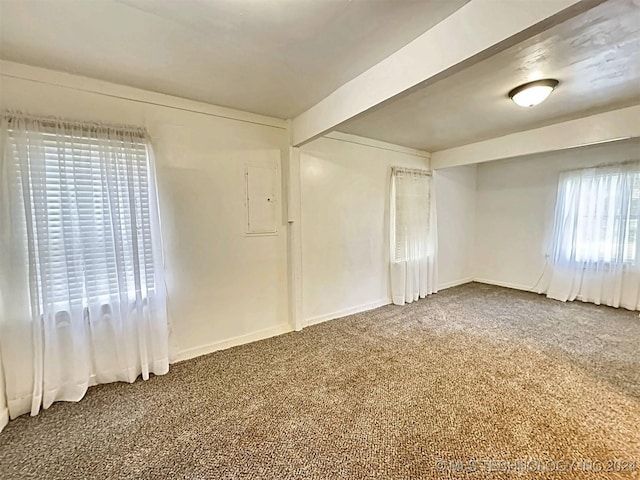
413	236
82	292
595	255
4	411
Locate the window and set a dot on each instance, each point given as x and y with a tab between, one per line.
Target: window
411	207
85	191
81	271
413	236
597	215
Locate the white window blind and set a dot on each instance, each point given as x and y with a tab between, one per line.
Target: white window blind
88	197
412	210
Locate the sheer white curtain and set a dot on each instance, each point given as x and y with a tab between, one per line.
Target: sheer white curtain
82	292
413	236
4	411
595	255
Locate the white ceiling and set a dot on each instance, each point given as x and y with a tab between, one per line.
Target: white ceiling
596	57
274	57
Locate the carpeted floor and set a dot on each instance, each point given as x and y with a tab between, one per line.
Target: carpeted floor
474	382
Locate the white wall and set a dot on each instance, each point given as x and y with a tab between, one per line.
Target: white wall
345	225
223	287
455	202
515	207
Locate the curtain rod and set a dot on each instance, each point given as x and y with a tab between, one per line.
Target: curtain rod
419	171
604	165
53	121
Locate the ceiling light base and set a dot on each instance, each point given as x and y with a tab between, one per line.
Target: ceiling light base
533	93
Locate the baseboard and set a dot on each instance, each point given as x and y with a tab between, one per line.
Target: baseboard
455	283
347	311
285	328
526	288
232	342
4	418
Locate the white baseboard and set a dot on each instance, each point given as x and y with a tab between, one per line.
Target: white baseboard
4	418
526	288
455	283
347	311
285	328
232	342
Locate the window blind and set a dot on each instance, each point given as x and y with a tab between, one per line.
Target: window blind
412	209
88	198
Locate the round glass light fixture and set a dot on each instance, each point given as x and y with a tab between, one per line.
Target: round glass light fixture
533	93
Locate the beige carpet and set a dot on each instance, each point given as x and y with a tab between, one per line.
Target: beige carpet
474	372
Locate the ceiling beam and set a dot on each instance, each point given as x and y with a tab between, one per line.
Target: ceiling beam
611	126
476	31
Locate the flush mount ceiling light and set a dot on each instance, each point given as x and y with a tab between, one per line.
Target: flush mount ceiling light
533	93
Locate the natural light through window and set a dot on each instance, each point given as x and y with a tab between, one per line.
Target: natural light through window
87	194
82	277
597	216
